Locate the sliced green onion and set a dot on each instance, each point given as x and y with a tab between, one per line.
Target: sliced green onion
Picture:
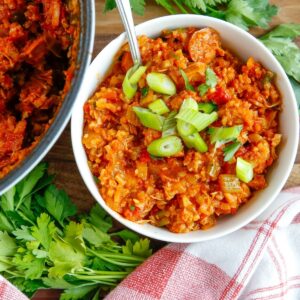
185	128
165	147
244	170
159	107
230	150
207	107
148	118
131	79
136	76
224	134
199	120
187	83
195	141
189	103
161	83
169	126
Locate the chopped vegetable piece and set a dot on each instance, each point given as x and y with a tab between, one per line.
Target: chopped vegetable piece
169	126
199	120
229	183
203	88
195	141
187	83
184	128
165	147
144	91
207	107
224	134
189	103
148	118
131	79
159	107
230	150
136	76
211	81
244	170
161	83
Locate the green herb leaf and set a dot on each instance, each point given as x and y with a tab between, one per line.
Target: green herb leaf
23	233
250	13
126	234
78	293
8	246
57	203
187	83
95	236
138	6
44	230
100	219
280	42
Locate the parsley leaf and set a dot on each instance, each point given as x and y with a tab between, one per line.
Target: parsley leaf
78	293
211	81
280	42
95	236
250	13
44	231
100	219
23	233
138	6
187	83
57	203
8	246
126	234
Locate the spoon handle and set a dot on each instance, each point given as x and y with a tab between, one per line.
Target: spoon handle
126	16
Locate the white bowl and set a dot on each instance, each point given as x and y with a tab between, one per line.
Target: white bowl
244	45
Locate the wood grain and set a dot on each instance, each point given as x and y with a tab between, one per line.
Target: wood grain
61	159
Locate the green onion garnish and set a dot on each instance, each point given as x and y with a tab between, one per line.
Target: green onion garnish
131	79
169	126
159	107
230	150
184	128
161	83
244	170
224	134
207	107
165	147
136	76
211	81
195	141
199	120
189	103
148	118
187	83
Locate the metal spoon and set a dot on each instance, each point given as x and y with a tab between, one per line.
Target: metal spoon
126	16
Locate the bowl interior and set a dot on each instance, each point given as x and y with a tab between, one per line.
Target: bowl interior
243	45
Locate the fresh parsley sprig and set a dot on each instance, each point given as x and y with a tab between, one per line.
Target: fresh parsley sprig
42	247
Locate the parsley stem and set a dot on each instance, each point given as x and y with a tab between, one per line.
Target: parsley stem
180	6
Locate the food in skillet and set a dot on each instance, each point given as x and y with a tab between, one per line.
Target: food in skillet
185	138
38	45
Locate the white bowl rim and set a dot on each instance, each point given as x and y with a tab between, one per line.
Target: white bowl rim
196	236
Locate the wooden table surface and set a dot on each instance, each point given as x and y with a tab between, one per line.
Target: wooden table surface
61	159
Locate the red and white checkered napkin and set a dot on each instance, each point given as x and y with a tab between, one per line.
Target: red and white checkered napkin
259	261
9	292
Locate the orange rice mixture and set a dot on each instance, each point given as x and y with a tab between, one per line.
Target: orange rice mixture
186	192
